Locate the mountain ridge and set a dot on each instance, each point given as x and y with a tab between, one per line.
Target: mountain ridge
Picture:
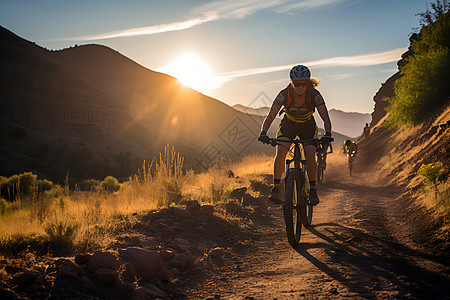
94	111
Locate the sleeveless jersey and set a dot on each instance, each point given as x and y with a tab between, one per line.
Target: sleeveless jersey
299	113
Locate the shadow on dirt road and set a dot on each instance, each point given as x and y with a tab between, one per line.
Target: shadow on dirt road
367	264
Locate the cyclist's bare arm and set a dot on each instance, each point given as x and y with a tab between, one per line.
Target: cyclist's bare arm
323	112
276	105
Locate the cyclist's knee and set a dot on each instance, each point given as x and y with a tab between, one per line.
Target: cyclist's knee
281	155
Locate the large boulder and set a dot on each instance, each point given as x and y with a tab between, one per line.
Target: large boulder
194	207
207	209
238	193
106	276
182	261
103	259
148	264
70	269
181	212
26	278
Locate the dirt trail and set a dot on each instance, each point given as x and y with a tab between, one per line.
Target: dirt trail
360	246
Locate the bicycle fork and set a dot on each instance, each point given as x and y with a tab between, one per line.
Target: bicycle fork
300	165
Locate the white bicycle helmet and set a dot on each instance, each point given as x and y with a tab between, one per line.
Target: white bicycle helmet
300	72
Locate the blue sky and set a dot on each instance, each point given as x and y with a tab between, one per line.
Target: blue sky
243	47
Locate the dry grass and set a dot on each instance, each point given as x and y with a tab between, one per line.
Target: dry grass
255	164
437	200
83	220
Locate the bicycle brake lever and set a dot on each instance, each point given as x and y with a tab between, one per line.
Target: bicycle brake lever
273	142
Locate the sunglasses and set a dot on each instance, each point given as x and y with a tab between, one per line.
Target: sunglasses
300	84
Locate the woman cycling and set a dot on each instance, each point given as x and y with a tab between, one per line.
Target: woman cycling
299	98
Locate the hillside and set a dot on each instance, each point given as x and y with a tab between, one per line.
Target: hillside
399	152
92	112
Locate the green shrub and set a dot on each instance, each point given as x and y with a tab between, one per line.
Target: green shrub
110	184
4	206
27	183
23	185
62	233
219	192
44	185
173	187
424	85
55	192
89	185
432	172
9	187
421	88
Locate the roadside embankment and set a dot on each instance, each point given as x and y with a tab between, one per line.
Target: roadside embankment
416	159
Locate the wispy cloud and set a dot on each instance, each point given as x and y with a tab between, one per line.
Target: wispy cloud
307	4
227	9
349	61
142	30
224	9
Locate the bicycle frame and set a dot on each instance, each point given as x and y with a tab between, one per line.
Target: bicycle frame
299	162
297	209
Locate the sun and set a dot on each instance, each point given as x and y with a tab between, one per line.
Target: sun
194	72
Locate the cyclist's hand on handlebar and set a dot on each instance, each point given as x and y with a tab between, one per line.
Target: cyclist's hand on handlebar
263	137
326	139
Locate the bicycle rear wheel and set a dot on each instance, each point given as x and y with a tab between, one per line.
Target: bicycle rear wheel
320	172
306	208
292	207
350	164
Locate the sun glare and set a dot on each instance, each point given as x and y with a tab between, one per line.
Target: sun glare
194	72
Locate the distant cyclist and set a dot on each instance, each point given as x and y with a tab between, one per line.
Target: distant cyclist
299	98
324	150
366	130
350	146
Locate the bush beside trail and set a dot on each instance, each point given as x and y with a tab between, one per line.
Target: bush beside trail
424	86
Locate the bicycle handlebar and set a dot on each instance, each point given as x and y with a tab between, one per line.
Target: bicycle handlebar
273	141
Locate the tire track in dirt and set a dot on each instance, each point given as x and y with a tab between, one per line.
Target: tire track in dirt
353	250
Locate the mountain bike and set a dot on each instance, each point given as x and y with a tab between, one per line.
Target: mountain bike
297	209
321	153
351	161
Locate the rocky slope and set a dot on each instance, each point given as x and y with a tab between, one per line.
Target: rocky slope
387	89
147	256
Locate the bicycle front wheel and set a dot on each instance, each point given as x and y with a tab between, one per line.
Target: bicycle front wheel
292	207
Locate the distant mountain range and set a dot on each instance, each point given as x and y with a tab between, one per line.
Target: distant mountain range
349	124
89	111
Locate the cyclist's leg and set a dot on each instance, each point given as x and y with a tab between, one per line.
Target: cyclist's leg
278	170
284	132
311	165
280	160
310	131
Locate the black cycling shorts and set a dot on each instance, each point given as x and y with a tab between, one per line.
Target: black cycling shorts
291	129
